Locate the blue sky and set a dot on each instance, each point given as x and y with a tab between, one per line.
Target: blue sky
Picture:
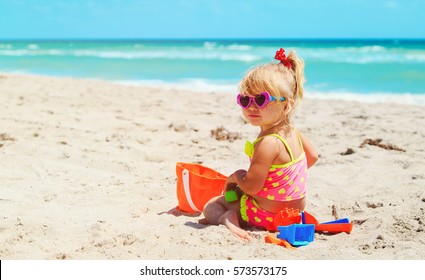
94	19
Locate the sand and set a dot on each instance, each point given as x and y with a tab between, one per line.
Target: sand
87	171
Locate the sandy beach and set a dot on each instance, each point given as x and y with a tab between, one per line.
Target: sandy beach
87	171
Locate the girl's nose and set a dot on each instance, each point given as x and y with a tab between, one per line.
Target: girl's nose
253	107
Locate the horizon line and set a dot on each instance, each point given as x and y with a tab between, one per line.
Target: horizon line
213	39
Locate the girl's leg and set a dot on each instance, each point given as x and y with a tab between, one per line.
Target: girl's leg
219	212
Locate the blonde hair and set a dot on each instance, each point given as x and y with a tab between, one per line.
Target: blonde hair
279	81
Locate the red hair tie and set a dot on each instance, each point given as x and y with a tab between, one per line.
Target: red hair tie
280	55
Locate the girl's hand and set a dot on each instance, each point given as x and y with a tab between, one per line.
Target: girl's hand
230	183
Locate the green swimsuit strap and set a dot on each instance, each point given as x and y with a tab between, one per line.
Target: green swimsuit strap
281	139
299	139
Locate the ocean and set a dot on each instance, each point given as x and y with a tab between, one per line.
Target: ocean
367	70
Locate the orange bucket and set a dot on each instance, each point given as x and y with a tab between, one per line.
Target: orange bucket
196	185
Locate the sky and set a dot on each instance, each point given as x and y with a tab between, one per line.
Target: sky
185	19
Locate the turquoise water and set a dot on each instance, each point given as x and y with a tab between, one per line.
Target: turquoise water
357	67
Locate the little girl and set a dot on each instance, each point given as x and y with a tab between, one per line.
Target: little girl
280	156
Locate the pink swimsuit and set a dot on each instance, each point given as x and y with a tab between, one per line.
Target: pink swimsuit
285	182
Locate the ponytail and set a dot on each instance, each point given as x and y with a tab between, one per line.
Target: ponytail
294	66
298	68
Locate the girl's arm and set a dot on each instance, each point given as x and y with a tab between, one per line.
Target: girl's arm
252	181
309	150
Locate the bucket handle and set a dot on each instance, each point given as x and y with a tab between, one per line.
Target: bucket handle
185	175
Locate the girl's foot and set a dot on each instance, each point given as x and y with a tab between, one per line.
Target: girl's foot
230	220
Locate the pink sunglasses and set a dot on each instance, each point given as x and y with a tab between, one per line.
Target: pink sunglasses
261	100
